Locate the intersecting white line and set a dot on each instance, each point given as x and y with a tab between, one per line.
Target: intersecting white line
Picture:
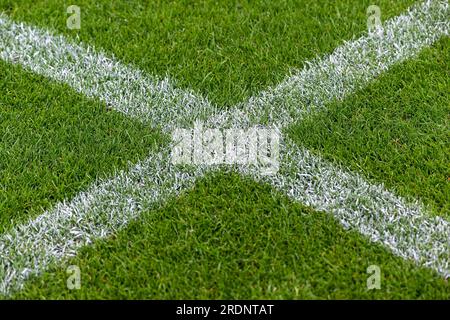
108	205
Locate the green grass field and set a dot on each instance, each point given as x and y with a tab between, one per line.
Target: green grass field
235	239
229	237
396	131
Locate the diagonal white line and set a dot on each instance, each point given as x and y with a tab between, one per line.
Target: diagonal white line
349	68
124	88
94	214
404	228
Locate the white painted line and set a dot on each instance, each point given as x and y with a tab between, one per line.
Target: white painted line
349	68
94	214
110	204
95	74
405	228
